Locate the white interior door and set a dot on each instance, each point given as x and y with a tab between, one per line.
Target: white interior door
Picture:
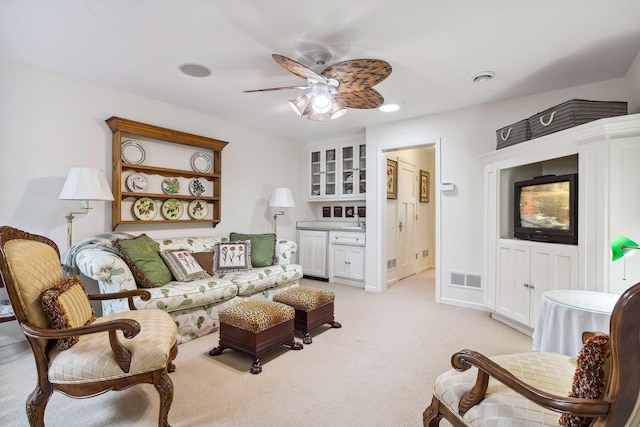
407	191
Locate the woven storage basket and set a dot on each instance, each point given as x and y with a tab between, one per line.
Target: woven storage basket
573	113
513	134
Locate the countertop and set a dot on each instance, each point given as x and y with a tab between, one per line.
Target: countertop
351	226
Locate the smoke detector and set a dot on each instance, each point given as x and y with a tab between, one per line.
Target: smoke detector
483	76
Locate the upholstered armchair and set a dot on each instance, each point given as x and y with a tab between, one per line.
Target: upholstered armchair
533	389
75	353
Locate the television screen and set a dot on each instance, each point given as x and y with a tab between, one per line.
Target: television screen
546	206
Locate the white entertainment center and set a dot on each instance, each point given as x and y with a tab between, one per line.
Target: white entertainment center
606	155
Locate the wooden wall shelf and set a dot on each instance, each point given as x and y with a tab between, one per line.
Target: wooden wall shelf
160	161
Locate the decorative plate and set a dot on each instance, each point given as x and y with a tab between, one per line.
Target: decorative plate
145	209
172	209
198	209
171	185
132	152
196	187
137	183
200	162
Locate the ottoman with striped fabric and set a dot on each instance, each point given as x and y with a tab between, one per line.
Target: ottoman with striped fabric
255	328
313	307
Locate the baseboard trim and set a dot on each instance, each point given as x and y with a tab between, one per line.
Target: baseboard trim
464	304
525	329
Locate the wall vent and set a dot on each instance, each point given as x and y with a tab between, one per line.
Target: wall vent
391	263
465	280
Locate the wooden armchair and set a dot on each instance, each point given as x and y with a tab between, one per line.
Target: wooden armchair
110	353
531	389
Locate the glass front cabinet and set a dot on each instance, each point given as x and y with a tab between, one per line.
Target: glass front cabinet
338	172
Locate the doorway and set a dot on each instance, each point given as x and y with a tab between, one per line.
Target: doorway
408	222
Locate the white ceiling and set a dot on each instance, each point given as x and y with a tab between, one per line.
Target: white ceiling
435	48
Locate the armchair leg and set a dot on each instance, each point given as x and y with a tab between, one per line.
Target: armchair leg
37	403
171	367
164	385
431	416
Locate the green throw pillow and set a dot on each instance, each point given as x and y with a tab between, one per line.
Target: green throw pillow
263	247
142	255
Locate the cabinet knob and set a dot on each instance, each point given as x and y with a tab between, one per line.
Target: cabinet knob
526	285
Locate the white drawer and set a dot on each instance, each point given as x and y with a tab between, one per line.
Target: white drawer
347	238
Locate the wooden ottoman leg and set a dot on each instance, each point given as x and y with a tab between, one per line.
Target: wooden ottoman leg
217	350
256	368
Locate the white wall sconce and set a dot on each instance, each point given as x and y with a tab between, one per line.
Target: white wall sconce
84	184
281	198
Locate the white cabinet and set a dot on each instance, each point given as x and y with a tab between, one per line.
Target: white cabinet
604	153
312	252
323	172
526	270
337	172
353	174
347	258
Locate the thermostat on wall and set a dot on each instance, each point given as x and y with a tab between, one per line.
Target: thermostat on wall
447	186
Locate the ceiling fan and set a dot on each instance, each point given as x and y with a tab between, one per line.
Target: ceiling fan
347	84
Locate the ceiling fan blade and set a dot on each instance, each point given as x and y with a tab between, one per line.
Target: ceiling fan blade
365	99
277	88
298	69
358	74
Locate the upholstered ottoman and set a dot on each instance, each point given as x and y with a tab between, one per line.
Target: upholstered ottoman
314	307
255	328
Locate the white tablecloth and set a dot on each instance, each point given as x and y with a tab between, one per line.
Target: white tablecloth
565	314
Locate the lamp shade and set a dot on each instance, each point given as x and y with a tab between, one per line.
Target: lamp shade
86	184
620	246
282	198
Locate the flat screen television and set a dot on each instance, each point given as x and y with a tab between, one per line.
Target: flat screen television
546	209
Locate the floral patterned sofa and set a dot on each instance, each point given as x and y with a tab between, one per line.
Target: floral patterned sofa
193	305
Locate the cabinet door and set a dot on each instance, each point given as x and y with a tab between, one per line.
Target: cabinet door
323	172
552	267
340	256
312	252
512	293
353	170
356	262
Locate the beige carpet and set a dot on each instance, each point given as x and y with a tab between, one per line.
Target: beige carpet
377	370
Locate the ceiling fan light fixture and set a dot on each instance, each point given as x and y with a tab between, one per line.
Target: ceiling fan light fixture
316	117
321	103
300	104
337	111
388	108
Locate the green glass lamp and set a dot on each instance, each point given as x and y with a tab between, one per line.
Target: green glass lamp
620	247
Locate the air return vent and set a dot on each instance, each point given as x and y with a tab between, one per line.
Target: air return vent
465	280
391	263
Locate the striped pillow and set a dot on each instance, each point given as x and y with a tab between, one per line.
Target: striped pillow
66	305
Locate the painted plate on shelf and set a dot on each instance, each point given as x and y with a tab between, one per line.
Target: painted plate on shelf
200	162
198	209
132	152
137	183
171	185
196	187
172	209
145	209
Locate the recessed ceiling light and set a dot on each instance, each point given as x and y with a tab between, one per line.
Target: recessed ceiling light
195	70
483	76
387	108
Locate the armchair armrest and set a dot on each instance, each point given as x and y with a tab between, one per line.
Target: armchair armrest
466	359
284	251
143	294
129	327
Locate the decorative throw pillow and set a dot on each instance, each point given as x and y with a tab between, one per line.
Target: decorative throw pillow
66	305
205	259
142	255
263	247
231	256
591	376
183	266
